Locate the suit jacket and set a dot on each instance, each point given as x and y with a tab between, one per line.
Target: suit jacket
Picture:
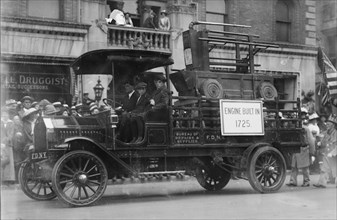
161	98
129	104
142	104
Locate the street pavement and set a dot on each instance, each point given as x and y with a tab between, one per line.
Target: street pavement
179	199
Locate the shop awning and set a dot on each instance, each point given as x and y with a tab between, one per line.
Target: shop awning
123	60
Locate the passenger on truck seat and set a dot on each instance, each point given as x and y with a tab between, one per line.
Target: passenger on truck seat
128	104
159	101
137	115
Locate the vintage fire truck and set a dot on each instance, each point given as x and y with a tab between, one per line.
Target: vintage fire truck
224	122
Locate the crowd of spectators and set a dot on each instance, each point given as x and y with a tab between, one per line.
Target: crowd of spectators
17	128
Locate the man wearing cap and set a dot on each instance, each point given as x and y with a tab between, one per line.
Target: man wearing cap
137	115
302	160
328	145
26	104
159	100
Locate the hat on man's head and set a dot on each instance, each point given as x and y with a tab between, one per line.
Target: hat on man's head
304	110
10	102
50	109
141	85
73	107
34	104
92	104
29	112
57	104
27	98
93	107
160	77
163	12
79	105
313	116
333	119
65	106
44	102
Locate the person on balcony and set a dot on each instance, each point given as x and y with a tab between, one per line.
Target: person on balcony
117	15
128	20
164	21
149	22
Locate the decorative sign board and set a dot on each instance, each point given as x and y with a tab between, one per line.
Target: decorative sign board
241	117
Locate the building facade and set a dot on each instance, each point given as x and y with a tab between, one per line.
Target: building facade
39	39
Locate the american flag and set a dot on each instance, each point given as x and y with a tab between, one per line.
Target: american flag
329	74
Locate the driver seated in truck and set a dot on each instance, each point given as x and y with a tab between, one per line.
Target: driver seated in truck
159	101
128	104
137	115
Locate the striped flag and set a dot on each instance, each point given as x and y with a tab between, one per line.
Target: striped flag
329	73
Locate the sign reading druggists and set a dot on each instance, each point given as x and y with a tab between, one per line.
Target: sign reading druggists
241	117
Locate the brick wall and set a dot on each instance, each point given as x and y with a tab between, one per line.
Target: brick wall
261	15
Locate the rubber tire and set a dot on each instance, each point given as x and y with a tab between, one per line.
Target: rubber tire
267	91
256	157
211	177
48	192
211	88
58	187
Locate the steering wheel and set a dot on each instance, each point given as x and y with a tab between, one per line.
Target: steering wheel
110	102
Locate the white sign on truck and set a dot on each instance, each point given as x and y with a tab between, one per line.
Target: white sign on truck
241	117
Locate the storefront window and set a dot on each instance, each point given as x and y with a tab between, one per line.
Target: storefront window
44	8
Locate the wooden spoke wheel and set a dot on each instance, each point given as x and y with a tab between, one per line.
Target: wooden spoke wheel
79	178
211	177
33	184
267	170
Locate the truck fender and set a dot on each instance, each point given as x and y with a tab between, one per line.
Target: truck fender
108	157
248	152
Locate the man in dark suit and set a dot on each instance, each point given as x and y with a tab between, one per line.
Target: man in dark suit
137	115
128	104
159	101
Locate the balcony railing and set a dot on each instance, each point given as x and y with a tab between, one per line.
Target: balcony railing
139	38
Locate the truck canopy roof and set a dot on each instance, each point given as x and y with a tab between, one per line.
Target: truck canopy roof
124	60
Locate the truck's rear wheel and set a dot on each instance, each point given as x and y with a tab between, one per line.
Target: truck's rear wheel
211	177
84	175
34	185
267	170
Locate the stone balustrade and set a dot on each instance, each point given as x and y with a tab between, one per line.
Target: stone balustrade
138	38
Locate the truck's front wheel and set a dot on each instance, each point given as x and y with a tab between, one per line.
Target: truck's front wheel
79	178
266	170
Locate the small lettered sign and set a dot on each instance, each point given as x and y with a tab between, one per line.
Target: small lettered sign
241	117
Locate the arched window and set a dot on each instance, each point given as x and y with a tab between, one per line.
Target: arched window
283	20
